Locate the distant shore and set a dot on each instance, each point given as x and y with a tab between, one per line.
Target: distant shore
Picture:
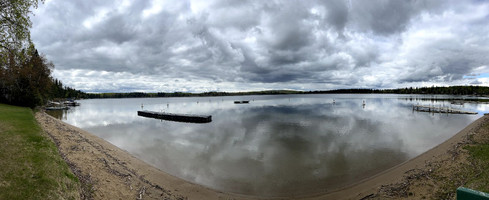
107	172
474	92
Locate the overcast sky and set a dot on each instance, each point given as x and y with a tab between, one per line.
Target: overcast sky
238	45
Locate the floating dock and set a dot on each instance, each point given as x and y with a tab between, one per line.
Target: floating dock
176	117
440	109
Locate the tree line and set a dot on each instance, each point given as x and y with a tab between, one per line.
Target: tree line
183	94
452	90
25	75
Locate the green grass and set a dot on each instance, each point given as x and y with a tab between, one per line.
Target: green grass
472	173
30	165
479	154
479	158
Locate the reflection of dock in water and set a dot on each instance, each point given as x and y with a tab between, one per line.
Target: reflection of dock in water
440	109
176	117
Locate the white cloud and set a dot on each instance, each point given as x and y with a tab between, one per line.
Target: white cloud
243	45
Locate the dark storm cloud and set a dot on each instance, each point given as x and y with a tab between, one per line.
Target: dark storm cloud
337	14
383	17
319	44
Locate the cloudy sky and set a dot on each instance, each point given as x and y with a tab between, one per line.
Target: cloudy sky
239	45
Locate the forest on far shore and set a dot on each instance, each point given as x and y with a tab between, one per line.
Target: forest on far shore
451	90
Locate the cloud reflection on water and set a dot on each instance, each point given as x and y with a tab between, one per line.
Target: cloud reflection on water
281	145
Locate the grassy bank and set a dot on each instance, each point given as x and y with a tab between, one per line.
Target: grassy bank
472	170
31	167
480	171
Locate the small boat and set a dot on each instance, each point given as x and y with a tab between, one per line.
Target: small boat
57	108
457	103
241	102
53	103
71	103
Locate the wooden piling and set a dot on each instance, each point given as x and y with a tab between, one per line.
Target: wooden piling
440	109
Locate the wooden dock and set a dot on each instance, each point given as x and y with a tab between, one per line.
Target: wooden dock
440	109
176	117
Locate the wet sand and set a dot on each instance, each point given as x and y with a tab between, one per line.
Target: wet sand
108	172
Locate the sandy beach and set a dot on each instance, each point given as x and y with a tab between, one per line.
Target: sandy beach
108	172
111	173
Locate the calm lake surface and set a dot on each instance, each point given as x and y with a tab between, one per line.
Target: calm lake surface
275	145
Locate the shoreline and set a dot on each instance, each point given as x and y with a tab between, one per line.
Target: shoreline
114	173
109	172
370	186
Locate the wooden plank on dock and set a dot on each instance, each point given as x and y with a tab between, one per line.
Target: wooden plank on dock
176	117
434	109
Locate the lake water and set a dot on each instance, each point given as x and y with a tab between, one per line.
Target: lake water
276	145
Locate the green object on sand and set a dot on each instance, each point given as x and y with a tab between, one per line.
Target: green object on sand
466	193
